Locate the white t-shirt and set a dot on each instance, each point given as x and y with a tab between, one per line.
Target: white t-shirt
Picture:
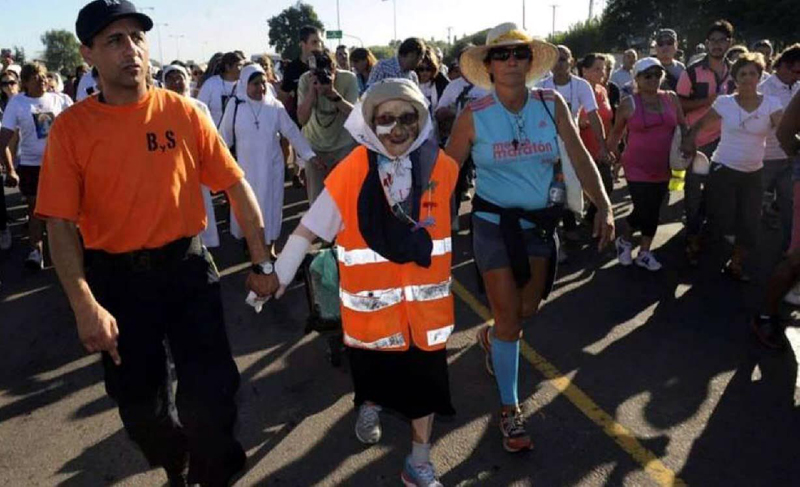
774	87
453	91
33	117
744	134
87	86
215	93
577	93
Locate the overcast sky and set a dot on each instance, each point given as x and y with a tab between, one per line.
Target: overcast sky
223	25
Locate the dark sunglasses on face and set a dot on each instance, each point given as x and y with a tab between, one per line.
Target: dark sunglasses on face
8	83
665	42
521	53
408	118
651	74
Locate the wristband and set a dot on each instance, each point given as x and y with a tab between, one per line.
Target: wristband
290	259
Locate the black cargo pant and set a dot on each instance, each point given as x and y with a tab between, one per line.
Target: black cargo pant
177	298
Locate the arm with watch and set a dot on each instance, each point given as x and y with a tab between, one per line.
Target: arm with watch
245	207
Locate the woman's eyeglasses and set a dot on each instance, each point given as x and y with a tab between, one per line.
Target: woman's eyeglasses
406	119
522	53
667	42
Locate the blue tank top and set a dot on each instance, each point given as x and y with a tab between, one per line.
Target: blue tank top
514	154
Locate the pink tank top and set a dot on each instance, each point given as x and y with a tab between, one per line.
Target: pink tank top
646	156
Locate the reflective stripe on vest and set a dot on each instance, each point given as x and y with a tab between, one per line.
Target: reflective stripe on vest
439	335
368	256
394	341
376	300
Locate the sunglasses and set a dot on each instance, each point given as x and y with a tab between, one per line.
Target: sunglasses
668	42
406	119
651	74
425	69
521	53
8	83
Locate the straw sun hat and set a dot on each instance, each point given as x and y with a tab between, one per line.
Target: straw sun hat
473	68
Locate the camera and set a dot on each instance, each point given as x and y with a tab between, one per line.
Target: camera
322	67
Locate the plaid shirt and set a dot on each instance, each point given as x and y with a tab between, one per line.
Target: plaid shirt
390	68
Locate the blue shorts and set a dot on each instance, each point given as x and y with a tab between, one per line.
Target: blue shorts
489	249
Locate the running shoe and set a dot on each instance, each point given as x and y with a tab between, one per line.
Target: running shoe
769	331
5	239
368	424
486	345
793	296
647	260
512	425
419	475
624	249
35	260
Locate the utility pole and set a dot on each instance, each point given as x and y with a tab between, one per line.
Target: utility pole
339	22
553	31
523	15
591	9
158	33
449	31
395	17
178	38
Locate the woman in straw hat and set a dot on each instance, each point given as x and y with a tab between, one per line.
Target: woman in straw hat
512	135
387	205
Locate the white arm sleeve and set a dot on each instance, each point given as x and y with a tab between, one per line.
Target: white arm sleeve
290	259
324	219
586	96
289	129
226	124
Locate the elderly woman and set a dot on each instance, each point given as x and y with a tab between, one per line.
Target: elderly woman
511	135
387	205
734	184
252	126
650	117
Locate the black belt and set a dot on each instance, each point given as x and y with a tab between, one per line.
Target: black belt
147	259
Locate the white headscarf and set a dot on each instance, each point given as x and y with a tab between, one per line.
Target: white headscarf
397	167
244	77
175	67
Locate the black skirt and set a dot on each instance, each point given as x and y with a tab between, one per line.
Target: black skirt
413	383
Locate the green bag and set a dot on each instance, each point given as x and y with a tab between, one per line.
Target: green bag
324	272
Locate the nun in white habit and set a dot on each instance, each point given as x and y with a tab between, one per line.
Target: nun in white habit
253	124
176	78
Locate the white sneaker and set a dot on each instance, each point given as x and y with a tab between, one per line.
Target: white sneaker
368	424
624	251
5	239
35	260
648	261
793	296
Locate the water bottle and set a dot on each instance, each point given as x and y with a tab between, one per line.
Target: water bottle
557	194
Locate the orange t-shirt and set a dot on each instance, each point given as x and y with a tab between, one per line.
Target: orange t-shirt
130	175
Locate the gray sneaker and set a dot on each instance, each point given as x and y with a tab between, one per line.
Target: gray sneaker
368	424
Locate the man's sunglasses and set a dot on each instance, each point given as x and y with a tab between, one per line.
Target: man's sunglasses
408	118
666	42
521	53
8	83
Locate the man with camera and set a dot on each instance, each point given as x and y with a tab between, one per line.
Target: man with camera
325	98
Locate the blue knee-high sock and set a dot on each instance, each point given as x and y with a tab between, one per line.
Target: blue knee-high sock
505	360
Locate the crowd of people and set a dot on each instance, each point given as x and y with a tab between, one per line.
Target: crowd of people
387	151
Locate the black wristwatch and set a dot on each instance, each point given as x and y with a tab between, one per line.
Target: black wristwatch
264	268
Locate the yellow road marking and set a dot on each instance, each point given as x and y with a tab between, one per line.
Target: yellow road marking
621	435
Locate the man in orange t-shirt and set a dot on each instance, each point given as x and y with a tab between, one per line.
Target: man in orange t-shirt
126	168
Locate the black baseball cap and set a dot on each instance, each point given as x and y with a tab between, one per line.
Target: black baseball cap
95	16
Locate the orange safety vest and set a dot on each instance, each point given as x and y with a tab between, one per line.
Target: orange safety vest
387	306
